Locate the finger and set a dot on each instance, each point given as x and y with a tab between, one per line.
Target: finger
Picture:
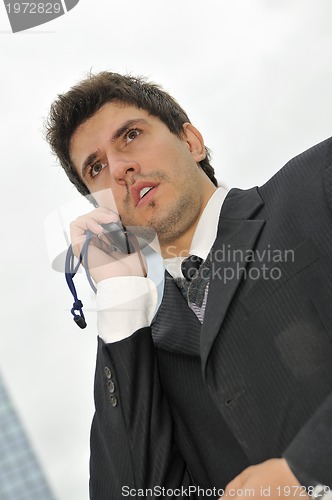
111	215
239	480
92	222
100	216
78	231
234	485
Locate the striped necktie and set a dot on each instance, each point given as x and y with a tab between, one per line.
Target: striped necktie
195	284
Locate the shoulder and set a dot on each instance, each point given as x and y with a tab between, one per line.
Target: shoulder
312	161
307	173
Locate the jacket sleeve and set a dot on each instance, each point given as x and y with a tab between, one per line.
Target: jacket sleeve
310	452
132	445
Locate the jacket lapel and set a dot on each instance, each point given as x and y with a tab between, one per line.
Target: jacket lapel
236	235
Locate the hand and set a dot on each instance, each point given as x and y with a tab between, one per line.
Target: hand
103	262
270	480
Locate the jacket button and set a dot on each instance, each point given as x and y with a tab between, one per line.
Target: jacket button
113	400
111	386
107	372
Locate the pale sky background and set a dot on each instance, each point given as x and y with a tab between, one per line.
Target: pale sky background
255	77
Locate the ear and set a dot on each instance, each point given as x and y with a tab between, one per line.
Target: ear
194	141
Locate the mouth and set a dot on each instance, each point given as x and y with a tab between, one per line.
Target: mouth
141	193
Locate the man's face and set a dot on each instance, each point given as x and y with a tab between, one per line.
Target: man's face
153	175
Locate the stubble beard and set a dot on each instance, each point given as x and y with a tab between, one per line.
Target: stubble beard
171	223
178	219
168	226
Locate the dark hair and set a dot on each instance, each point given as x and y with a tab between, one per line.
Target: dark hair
83	100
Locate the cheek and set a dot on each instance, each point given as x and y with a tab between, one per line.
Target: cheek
105	198
101	190
165	149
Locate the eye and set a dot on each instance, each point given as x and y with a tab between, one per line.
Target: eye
96	168
131	134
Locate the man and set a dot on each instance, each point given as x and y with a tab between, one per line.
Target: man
229	385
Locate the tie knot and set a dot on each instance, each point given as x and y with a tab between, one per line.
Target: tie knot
190	266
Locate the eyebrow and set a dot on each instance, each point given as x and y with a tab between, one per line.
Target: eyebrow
117	134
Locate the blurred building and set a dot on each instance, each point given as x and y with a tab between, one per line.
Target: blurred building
21	477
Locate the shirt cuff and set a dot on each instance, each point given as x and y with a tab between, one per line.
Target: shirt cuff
124	305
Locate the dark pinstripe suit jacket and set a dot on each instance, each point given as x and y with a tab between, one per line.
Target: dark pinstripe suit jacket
182	404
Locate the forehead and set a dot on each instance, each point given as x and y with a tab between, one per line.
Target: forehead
112	115
103	124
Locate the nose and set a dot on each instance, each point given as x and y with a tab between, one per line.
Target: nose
123	171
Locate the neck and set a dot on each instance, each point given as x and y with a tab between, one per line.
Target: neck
180	246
